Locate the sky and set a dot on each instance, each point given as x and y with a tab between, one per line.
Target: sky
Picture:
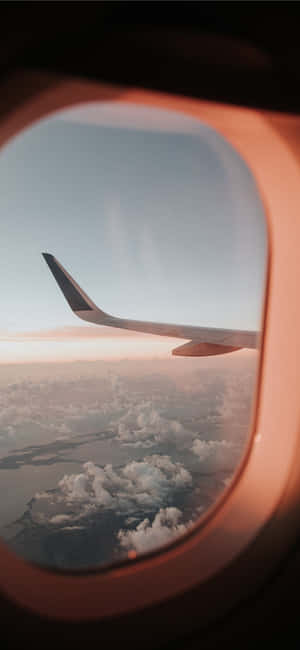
154	215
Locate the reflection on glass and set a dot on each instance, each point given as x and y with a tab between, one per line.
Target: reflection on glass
110	445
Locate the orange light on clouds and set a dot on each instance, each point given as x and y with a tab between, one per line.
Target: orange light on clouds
82	343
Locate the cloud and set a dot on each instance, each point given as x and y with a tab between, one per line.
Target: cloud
139	406
143	424
190	415
74	487
130	408
70	332
59	519
147	536
217	455
137	485
48	409
234	406
204	448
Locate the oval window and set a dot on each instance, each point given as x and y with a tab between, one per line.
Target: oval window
129	351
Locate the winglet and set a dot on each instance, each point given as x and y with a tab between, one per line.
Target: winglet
204	340
74	295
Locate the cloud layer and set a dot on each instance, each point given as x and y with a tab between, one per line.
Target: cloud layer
152	448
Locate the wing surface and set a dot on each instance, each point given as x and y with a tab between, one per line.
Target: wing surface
214	340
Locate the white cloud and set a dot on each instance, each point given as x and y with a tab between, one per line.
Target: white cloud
146	536
60	519
133	405
217	455
233	410
74	487
134	413
139	484
143	424
66	333
38	411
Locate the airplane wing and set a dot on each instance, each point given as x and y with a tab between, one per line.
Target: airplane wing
203	341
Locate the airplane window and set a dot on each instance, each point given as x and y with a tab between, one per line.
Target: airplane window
129	350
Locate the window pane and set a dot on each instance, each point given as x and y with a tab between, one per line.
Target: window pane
110	445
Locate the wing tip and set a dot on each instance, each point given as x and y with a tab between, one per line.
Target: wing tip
75	296
48	256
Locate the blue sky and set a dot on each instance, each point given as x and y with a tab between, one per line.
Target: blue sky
153	213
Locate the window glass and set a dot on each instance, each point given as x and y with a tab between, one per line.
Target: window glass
110	445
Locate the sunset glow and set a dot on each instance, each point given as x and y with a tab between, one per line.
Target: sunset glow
60	346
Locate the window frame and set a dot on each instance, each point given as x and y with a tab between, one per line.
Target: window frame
266	142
